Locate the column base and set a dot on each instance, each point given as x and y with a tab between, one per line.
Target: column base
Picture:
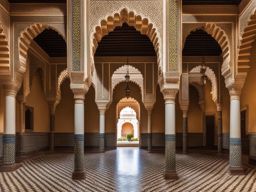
10	168
171	175
237	170
78	175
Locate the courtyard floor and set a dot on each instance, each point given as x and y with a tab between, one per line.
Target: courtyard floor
126	170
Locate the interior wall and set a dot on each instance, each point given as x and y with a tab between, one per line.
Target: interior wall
64	114
36	99
91	112
158	113
248	99
194	112
2	104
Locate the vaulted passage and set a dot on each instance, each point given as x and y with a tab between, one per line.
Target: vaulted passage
128	95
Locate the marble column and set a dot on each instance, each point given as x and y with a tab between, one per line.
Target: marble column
9	137
149	131
185	132
102	130
79	163
235	148
219	116
170	135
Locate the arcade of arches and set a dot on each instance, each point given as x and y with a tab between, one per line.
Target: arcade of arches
164	75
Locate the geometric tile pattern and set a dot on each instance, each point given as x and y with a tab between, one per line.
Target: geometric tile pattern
79	152
127	169
170	152
8	149
101	142
235	155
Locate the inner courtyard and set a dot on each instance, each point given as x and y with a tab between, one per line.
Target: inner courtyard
127	95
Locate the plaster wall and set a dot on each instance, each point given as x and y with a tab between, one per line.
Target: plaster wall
248	99
37	100
2	104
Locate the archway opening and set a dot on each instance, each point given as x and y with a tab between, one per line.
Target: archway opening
203	59
128	122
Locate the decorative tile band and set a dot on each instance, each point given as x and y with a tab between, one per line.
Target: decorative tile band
9	153
235	155
8	138
235	141
79	153
170	137
102	135
79	137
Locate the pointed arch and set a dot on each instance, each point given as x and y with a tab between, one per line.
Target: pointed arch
213	79
62	77
24	41
143	25
135	77
5	66
246	45
222	38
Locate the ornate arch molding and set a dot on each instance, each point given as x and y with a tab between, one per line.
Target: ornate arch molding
5	66
24	41
135	77
246	45
121	108
62	77
143	25
222	38
212	77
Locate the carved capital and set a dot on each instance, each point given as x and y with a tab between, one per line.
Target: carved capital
169	94
219	107
184	113
11	89
102	106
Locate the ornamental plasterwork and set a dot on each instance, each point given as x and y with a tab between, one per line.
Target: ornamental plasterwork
101	9
212	77
245	17
174	22
135	77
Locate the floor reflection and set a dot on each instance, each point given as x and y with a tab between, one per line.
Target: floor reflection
128	169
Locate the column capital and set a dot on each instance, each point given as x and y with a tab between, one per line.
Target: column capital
102	106
219	107
169	94
11	89
234	93
184	113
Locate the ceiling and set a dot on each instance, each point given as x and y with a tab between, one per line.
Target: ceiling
200	2
37	1
52	43
184	1
125	41
200	43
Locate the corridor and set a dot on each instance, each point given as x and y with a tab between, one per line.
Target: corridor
126	169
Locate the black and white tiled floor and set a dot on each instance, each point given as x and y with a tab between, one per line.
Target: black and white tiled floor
126	170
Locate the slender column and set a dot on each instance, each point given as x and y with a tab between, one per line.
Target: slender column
102	131
149	131
79	172
170	135
9	137
219	114
235	150
185	131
